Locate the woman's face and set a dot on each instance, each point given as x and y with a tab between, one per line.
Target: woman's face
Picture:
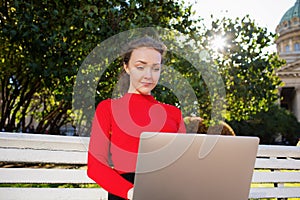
144	69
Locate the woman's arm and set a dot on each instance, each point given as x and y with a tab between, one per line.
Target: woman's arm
98	165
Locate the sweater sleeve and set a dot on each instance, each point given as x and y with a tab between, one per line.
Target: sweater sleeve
98	162
176	112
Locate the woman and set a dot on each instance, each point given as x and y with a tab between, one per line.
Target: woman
118	123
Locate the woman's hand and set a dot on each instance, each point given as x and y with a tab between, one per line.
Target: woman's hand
130	194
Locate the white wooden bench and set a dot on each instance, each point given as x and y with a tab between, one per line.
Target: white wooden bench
67	152
277	170
20	154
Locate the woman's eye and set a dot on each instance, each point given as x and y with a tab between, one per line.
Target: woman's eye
140	67
156	69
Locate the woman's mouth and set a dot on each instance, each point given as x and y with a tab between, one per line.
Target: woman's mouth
146	84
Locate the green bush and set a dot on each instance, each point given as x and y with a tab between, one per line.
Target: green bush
270	125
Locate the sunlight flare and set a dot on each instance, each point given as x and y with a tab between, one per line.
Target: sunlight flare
218	43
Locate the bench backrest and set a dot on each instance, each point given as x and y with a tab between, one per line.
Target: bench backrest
48	159
277	172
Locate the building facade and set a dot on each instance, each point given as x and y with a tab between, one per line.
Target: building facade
288	48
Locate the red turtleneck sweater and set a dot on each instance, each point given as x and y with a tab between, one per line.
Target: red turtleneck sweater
116	128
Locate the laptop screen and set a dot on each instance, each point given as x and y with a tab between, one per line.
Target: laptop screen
194	166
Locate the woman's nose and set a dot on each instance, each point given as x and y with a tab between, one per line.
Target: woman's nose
148	73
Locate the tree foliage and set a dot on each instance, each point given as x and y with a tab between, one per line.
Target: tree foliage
246	65
44	43
275	126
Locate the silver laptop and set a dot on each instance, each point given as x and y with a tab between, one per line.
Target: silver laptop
194	167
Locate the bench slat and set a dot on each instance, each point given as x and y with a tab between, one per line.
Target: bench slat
274	192
276	177
278	151
98	193
21	175
42	141
42	156
53	193
28	175
264	163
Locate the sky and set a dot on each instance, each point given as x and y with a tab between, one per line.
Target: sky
266	13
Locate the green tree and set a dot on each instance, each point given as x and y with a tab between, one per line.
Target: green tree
246	65
44	43
248	70
269	125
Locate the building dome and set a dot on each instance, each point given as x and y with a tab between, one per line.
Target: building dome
288	30
291	13
288	48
